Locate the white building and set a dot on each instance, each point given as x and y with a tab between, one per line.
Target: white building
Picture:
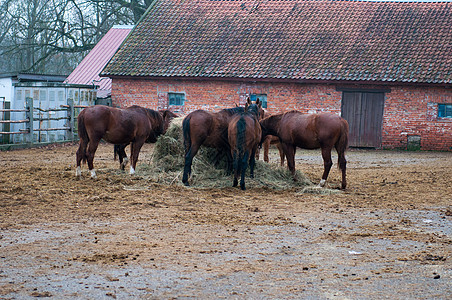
47	92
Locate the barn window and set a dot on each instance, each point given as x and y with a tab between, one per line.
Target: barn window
444	110
52	96
176	98
262	98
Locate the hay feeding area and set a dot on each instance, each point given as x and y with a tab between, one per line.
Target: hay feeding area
209	168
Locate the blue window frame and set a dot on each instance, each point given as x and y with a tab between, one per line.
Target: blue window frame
444	110
262	98
176	99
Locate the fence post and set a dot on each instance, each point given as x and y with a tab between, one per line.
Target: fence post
70	115
29	115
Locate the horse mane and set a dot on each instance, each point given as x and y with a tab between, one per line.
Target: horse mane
153	114
289	112
234	110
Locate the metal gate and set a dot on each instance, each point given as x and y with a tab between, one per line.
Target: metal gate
364	113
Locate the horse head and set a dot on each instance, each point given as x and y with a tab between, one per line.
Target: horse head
254	108
167	116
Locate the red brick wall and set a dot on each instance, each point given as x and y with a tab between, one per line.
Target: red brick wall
413	111
408	110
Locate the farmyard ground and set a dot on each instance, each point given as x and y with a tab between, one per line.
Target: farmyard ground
387	236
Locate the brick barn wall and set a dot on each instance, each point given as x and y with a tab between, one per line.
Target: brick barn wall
216	95
413	111
408	111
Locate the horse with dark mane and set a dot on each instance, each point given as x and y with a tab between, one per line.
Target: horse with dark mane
208	129
135	125
310	131
244	135
119	150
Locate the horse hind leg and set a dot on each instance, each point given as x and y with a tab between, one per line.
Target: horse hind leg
135	151
327	163
236	169
80	156
119	150
91	150
123	160
266	146
252	163
281	154
289	151
244	165
342	165
189	154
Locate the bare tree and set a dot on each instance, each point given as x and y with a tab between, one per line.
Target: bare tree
52	36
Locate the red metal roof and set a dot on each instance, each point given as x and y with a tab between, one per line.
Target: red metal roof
301	40
87	72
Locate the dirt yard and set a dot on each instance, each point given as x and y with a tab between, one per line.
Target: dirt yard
389	235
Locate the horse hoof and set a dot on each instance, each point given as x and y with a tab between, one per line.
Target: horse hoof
132	171
322	183
186	183
243	188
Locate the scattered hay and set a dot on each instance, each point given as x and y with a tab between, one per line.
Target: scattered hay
315	189
209	168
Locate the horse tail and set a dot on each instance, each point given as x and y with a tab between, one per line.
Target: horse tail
342	145
241	129
186	133
83	135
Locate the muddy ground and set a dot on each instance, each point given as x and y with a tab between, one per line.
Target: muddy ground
389	235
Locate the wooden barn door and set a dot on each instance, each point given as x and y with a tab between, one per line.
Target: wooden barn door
364	113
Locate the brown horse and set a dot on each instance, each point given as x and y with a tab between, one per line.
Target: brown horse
119	150
135	125
271	140
244	135
202	128
310	131
209	129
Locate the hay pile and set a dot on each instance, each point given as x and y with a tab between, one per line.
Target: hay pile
167	167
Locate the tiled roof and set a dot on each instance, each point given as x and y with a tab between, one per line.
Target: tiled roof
87	72
291	39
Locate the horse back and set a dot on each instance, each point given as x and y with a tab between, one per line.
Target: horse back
197	126
116	125
96	118
311	131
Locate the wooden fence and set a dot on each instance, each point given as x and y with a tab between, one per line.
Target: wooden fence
33	114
